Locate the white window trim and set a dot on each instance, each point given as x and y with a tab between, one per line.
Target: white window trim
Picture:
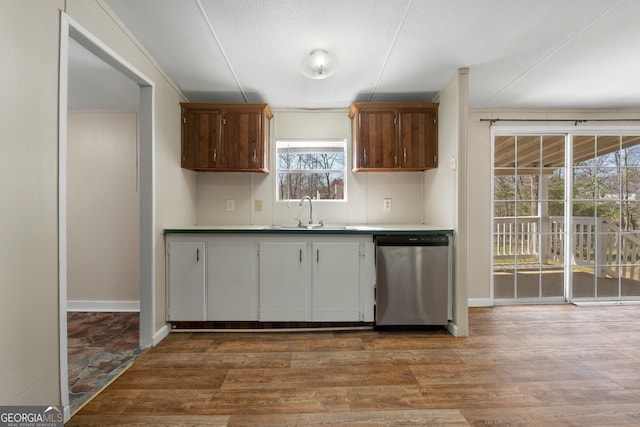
335	142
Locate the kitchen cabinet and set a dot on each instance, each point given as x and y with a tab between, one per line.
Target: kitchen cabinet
316	279
225	137
186	280
394	136
212	278
270	278
283	281
335	275
232	278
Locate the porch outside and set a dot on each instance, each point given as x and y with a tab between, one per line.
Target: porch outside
605	262
533	187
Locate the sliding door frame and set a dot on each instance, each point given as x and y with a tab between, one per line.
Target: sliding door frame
569	132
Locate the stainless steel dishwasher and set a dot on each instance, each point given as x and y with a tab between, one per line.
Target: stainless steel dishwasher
413	280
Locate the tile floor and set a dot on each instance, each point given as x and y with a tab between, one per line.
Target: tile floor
100	346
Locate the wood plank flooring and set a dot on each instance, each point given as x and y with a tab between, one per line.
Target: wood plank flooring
521	365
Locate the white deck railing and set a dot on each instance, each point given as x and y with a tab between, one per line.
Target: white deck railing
516	237
596	243
602	245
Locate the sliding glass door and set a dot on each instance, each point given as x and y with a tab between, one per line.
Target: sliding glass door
541	253
528	193
605	229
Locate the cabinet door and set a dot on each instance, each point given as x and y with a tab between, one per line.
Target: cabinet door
232	272
418	148
186	281
335	292
242	140
377	139
283	281
200	140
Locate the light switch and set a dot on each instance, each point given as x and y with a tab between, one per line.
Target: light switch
231	205
258	205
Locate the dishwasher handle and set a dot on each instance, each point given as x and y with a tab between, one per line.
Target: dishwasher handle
413	240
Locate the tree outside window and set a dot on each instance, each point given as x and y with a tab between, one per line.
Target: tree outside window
311	168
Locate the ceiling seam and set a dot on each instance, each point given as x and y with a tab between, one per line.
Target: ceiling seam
553	52
224	54
388	55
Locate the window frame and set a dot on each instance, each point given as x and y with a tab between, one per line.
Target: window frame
342	146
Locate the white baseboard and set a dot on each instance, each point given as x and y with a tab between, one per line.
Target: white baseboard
103	306
160	335
596	303
481	302
66	413
452	328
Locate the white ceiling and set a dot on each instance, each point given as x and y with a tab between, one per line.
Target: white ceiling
520	53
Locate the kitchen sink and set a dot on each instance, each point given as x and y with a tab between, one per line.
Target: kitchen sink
307	227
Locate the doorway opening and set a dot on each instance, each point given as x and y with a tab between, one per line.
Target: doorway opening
566	215
72	31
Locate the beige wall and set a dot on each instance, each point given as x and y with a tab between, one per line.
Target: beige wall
365	191
445	195
29	369
480	185
103	223
29	307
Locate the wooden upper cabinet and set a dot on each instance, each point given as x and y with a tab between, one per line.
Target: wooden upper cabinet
200	139
225	137
418	146
377	139
394	136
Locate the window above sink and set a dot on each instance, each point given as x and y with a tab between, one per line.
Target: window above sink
315	168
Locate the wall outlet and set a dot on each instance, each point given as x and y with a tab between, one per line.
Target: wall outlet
258	205
231	205
387	205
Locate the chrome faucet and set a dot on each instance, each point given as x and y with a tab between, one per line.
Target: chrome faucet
310	208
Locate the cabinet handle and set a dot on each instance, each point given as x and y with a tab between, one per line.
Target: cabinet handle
317	255
215	154
405	155
300	255
365	156
255	157
197	254
395	160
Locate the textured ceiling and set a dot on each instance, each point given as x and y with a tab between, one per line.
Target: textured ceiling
520	53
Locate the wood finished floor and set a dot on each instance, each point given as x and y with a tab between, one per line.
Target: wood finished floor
521	365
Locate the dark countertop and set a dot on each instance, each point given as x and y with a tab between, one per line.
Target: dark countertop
377	229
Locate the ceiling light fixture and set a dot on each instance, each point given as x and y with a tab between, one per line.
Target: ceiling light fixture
319	64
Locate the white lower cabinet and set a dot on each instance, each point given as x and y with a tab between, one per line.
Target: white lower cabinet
283	281
232	278
254	277
318	279
335	282
212	278
186	280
